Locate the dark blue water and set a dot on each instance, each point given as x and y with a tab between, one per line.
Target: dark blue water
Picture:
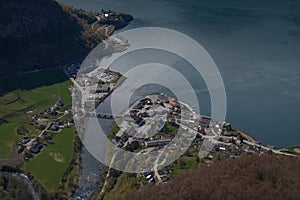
255	45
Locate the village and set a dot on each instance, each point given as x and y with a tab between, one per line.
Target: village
142	128
147	126
50	121
151	123
53	119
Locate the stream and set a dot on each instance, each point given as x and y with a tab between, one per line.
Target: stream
27	181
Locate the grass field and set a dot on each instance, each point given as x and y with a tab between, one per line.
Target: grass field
49	166
14	104
7	139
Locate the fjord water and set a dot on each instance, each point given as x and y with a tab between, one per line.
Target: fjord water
255	45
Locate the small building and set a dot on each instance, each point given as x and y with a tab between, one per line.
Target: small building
139	106
46	136
60	103
227	126
204	121
35	117
138	120
20	148
54	127
145	100
145	114
131	131
25	140
70	123
149	177
103	88
36	147
222	148
157	143
125	137
174	103
41	126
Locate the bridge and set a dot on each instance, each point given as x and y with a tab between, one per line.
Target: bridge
103	115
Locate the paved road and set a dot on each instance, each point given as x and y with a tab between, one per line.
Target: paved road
277	151
107	175
155	167
213	139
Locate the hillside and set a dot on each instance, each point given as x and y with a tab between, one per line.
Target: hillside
249	177
36	34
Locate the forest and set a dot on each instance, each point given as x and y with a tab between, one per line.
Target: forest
12	187
246	177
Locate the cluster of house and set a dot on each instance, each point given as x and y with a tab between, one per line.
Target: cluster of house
204	123
143	113
22	143
101	88
233	146
136	117
150	177
221	138
59	124
33	145
53	110
157	143
138	113
102	85
235	150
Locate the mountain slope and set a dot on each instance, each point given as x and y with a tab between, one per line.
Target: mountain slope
37	34
250	177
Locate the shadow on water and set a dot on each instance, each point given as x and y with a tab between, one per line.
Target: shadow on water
31	80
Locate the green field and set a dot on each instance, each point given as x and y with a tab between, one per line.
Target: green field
41	92
183	163
8	138
50	165
13	106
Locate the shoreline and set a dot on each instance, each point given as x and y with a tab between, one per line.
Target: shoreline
248	139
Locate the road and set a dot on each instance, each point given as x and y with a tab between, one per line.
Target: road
269	149
213	139
108	174
155	168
